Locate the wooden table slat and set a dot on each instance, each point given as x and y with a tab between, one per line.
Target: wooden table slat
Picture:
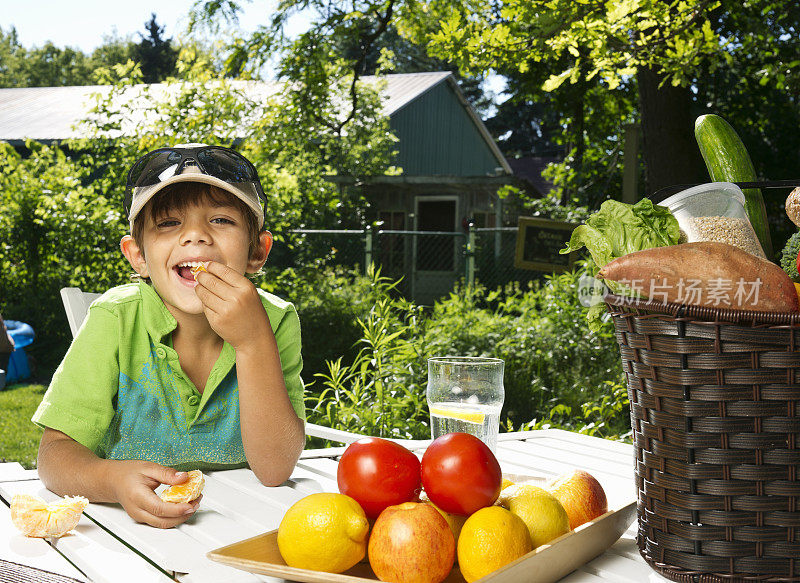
564	436
13	471
581	576
566	454
280	497
323	467
245	509
619	569
552	465
619	460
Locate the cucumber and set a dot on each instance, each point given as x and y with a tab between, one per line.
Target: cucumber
727	160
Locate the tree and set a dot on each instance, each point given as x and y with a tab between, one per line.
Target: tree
297	139
39	67
660	49
393	53
51	66
115	50
156	55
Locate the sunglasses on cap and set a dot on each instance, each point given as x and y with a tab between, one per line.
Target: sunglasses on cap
222	163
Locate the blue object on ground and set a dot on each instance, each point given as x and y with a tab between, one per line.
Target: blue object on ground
22	334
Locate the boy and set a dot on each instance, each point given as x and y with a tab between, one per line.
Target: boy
182	370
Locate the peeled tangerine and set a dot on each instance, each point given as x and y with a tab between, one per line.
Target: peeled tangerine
186	492
34	517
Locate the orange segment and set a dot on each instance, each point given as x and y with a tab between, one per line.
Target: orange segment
197	269
187	491
35	518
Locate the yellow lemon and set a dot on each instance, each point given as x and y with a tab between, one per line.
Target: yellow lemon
542	513
491	538
457	413
323	532
505	484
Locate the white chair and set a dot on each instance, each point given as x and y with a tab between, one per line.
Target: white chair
76	304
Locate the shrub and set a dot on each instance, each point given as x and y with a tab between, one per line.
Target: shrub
54	232
558	373
552	358
329	302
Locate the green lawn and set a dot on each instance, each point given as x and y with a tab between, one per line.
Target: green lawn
19	438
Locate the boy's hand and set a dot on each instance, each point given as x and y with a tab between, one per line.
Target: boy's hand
134	487
232	304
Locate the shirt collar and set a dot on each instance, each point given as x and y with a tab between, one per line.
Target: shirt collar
157	319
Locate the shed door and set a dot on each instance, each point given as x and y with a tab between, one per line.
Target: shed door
435	256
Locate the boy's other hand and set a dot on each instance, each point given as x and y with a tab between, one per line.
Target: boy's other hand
134	485
232	304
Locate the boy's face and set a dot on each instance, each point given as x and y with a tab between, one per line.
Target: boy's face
201	231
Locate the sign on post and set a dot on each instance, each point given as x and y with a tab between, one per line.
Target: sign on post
539	242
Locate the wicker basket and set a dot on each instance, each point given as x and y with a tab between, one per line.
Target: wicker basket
715	413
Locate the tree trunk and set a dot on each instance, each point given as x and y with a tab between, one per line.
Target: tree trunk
577	130
670	153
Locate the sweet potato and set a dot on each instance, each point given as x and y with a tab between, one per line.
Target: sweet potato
707	274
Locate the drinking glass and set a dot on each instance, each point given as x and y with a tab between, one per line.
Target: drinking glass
465	394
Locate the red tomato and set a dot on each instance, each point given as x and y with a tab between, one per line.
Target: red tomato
378	473
460	473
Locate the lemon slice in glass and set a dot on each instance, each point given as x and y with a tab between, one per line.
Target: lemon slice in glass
461	415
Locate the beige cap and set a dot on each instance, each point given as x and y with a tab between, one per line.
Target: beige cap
245	191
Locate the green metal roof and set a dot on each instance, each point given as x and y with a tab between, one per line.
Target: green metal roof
441	134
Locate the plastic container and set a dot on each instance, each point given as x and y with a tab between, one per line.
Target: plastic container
465	394
23	335
715	212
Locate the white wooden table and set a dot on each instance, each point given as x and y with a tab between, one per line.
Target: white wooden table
107	546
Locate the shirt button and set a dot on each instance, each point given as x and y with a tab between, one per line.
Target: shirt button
194	400
161	353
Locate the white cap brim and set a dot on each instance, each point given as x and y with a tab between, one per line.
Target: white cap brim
245	191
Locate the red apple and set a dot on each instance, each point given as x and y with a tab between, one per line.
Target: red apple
411	543
581	495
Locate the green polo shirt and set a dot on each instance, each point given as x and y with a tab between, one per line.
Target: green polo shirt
121	392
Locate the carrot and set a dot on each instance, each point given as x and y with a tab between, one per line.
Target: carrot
707	274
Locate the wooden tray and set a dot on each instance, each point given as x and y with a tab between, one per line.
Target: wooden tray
544	564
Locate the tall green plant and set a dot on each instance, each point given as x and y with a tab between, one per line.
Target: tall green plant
380	392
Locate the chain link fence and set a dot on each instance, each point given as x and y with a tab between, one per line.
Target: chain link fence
428	263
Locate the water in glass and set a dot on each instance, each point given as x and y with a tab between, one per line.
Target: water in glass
465	394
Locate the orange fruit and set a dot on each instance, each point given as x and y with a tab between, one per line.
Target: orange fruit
197	269
187	491
35	517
